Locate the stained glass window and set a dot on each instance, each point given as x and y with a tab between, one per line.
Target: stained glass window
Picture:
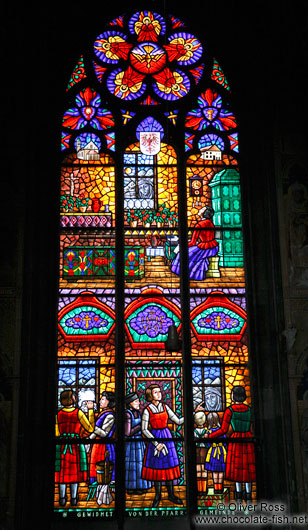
153	412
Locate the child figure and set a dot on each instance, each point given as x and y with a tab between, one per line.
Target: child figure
215	460
199	432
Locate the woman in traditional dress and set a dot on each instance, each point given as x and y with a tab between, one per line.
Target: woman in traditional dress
134	448
104	428
240	462
199	253
71	459
161	462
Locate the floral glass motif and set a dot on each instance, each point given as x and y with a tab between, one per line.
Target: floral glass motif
197	73
151	323
65	141
171	85
99	71
150	61
88	111
210	112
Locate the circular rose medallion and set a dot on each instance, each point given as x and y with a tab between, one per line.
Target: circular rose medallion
148	58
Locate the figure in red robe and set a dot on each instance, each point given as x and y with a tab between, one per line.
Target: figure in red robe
202	246
71	460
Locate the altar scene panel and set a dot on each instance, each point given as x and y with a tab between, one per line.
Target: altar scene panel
154	459
148	255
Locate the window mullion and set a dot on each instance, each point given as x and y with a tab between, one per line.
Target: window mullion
119	343
186	340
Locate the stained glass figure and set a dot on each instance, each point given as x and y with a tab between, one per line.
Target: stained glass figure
184	48
104	428
200	253
171	85
79	375
71	462
127	84
240	460
147	25
207	381
111	46
135	448
209	457
148	58
161	462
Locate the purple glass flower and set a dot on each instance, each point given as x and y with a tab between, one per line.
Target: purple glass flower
86	320
88	110
152	321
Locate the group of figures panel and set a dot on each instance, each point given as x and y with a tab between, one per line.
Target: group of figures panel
155	467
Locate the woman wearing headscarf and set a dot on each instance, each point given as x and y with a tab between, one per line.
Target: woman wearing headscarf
134	447
104	428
